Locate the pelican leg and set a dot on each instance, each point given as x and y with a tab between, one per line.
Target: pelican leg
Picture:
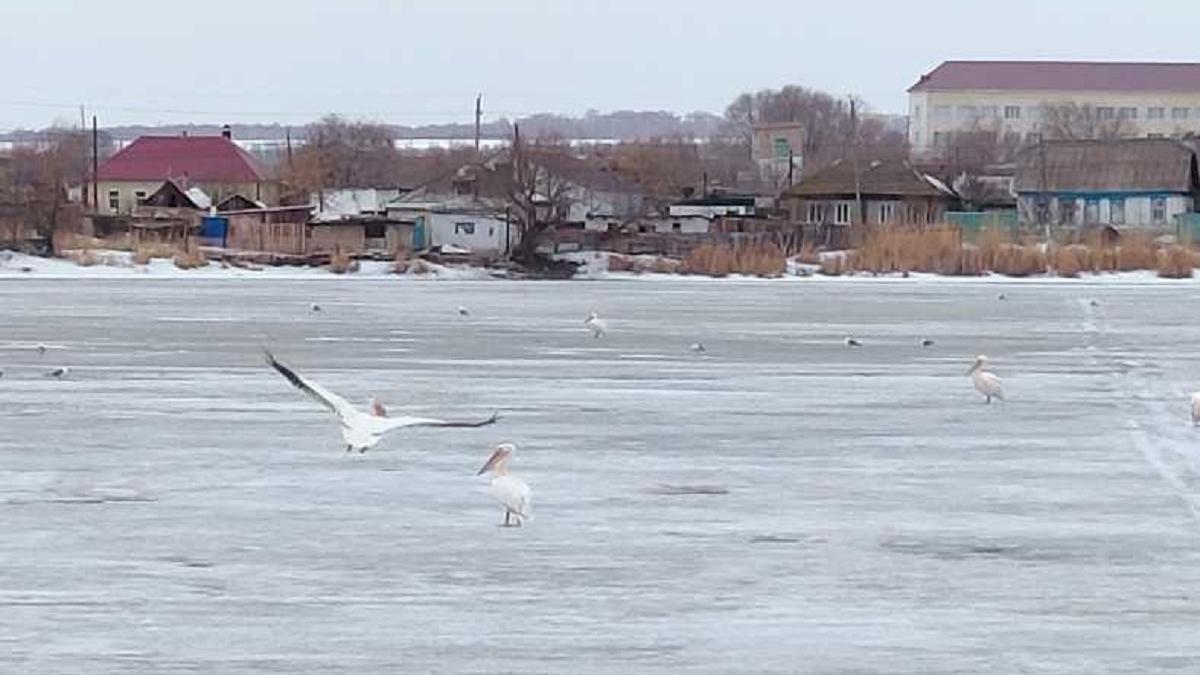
349	448
987	399
507	515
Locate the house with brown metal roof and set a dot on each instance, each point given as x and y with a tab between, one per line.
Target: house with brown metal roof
892	191
215	164
1131	183
1017	99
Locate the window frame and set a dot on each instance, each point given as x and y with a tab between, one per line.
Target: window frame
1012	112
114	200
1158	210
842	213
464	228
1116	211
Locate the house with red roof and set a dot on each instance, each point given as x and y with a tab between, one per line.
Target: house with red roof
1025	100
214	164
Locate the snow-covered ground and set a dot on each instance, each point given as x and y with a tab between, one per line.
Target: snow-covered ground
780	504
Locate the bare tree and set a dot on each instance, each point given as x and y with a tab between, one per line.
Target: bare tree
1073	121
537	194
34	186
341	154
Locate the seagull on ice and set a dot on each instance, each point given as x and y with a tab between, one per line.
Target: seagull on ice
362	431
926	342
986	383
698	348
596	325
59	373
510	491
463	311
1196	409
851	342
314	307
41	350
1002	297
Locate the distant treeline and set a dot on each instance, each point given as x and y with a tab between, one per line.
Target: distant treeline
620	125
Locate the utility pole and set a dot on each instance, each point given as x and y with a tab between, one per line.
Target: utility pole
288	135
478	121
859	216
791	166
95	166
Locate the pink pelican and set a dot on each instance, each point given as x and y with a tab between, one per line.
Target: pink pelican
596	325
986	383
510	491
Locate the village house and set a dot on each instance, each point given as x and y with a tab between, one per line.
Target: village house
462	224
1012	97
214	164
892	191
777	151
1132	183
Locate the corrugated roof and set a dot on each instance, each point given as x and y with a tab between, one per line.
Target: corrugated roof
1142	164
885	178
206	159
1061	76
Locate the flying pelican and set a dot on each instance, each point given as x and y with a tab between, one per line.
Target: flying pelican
926	342
851	342
985	383
698	348
59	372
463	311
362	431
510	491
1196	409
596	325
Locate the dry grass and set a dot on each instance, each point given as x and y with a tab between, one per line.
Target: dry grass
190	259
147	251
1176	262
342	263
758	259
83	257
620	263
1069	261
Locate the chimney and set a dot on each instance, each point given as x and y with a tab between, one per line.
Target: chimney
226	133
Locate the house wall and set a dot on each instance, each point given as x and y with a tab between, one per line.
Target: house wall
933	115
487	237
267	193
1139	209
879	210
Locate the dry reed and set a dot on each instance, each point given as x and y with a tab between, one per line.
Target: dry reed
341	263
763	259
1176	262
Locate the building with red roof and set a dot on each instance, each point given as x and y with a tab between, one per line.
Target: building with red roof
1026	100
214	164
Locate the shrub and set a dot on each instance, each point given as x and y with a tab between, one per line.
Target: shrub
763	259
1175	262
341	263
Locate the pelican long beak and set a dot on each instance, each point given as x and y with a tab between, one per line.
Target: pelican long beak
974	368
487	466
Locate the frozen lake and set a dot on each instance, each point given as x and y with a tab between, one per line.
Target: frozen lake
174	506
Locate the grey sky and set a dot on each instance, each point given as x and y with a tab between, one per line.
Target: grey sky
412	61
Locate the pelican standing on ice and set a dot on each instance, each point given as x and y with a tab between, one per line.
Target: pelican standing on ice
510	491
362	431
1196	409
596	325
986	383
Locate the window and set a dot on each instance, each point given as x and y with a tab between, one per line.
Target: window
917	111
1043	211
464	228
1091	211
375	231
939	138
816	212
1180	113
1127	113
139	196
1012	112
1158	210
782	148
967	112
1156	113
942	112
677	227
114	200
887	211
842	213
1106	113
1116	214
1066	211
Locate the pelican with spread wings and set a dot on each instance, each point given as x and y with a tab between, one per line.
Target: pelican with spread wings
363	430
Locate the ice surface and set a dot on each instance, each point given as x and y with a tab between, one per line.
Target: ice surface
780	504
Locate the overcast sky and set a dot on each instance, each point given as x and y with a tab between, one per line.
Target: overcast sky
415	61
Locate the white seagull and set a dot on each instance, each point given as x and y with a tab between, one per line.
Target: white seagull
59	373
986	383
463	311
362	431
510	491
1196	409
596	325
